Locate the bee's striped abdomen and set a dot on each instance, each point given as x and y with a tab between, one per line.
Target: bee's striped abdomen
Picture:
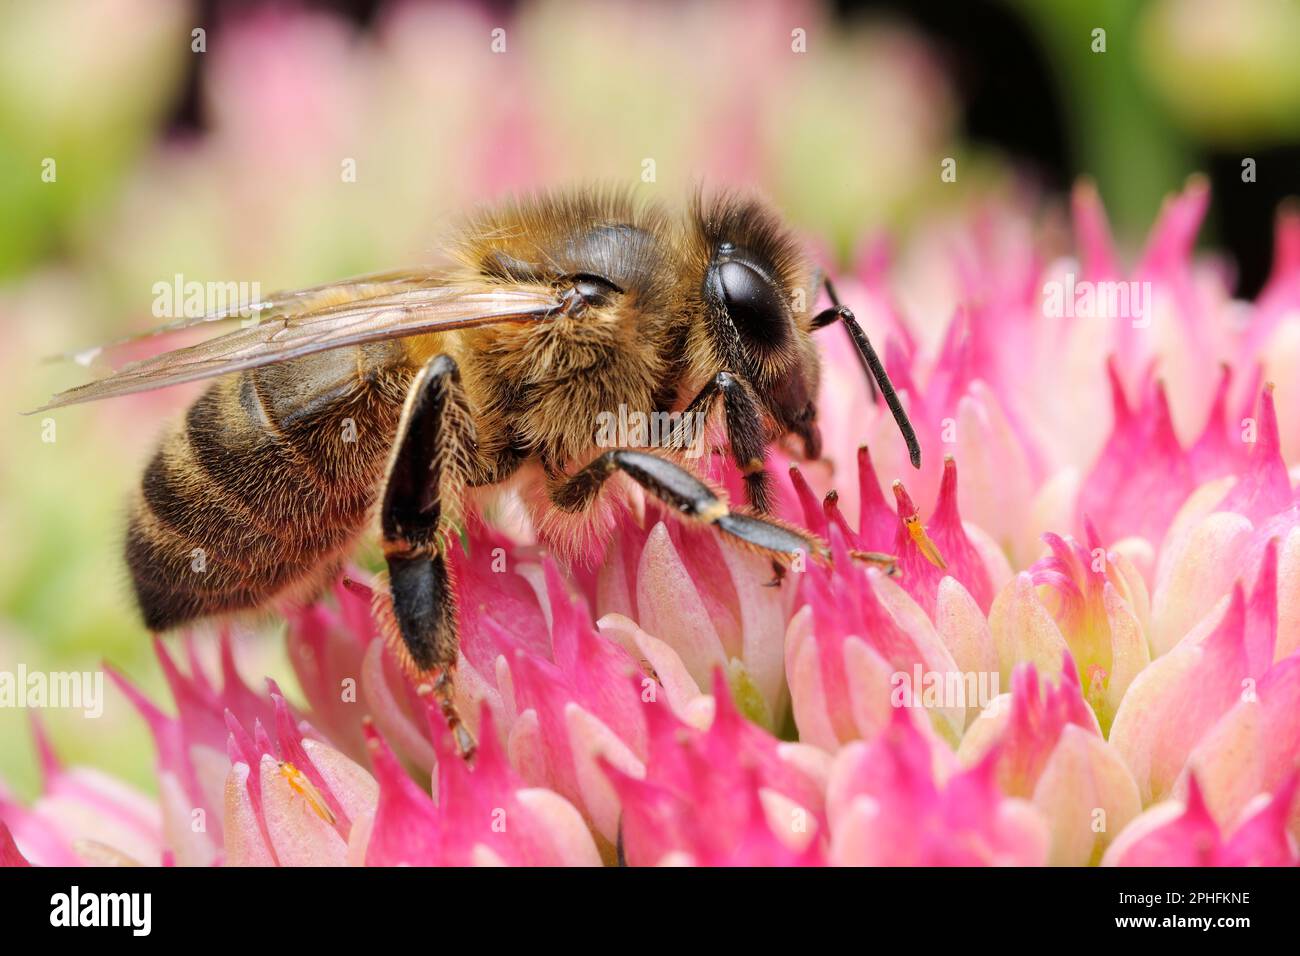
264	483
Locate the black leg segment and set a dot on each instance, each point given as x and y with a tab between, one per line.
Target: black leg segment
691	498
426	474
745	437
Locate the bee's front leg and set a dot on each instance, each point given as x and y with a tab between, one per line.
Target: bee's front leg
691	498
745	438
424	483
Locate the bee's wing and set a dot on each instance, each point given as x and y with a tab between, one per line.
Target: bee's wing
288	301
315	329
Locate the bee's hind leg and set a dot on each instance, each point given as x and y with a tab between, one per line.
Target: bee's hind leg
426	476
691	498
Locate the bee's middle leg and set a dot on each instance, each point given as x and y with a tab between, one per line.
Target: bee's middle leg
425	479
691	498
744	432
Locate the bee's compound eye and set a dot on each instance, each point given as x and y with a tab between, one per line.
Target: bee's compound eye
595	290
751	300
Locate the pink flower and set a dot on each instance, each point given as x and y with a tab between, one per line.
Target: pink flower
1171	834
1091	653
10	855
678	598
244	781
291	800
1142	476
82	817
1098	601
573	707
859	629
483	816
1046	745
1173	702
1221	532
843	649
1252	747
192	747
900	801
731	795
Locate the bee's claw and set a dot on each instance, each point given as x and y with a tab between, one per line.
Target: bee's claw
465	742
441	689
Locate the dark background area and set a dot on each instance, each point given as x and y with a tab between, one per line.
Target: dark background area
1008	101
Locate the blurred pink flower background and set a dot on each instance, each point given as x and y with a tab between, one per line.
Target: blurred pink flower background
1111	496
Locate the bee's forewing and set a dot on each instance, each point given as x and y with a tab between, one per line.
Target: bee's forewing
317	327
295	301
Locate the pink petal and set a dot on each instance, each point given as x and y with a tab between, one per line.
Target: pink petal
9	852
1087	795
245	844
1173	702
299	833
1023	630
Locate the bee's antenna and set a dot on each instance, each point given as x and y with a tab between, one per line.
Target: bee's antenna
872	364
833	314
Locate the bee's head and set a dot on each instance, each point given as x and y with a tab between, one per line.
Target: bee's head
753	285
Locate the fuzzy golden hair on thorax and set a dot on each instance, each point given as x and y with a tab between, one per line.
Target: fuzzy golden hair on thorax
544	236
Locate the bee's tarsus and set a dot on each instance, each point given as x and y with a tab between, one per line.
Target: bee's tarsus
466	745
442	691
688	496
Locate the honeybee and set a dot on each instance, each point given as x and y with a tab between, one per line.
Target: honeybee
412	393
